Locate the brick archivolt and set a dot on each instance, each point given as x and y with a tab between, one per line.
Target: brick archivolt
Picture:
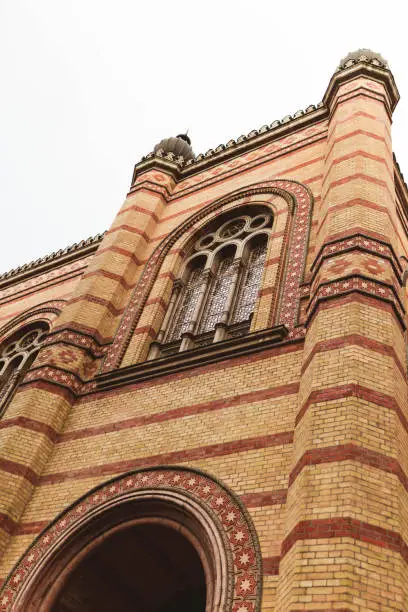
300	204
217	523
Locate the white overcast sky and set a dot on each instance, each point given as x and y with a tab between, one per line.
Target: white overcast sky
89	86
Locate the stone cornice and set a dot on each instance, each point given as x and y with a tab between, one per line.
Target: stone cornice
198	357
54	260
233	148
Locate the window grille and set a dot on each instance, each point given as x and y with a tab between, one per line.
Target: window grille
187	304
217	297
248	291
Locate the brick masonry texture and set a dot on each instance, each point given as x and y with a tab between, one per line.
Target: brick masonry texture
305	440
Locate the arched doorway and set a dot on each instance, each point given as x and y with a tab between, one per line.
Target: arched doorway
147	567
183	517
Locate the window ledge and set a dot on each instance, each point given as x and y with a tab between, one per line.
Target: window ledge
196	357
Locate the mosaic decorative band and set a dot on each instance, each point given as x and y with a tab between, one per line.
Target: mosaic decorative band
238	534
361	284
362	243
77	339
54	376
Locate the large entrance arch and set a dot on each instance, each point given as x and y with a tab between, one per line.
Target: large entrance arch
149	567
217	564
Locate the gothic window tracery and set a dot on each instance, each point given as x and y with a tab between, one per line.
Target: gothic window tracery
216	294
17	353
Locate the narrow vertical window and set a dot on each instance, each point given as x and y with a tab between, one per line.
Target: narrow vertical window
248	291
218	294
187	304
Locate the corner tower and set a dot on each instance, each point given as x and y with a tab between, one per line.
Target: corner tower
346	528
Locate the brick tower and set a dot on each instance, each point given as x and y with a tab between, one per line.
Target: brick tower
205	408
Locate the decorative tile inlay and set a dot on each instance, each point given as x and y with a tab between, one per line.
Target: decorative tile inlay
357	283
244	572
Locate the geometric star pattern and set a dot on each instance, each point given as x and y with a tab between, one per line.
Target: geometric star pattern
244	571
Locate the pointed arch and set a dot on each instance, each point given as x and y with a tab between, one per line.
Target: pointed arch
299	202
204	509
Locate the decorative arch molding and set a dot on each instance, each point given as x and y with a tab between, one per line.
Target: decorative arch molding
47	311
204	510
300	204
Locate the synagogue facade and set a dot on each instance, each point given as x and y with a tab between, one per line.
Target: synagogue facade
205	408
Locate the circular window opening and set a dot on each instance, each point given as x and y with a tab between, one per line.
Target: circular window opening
232	228
9	350
259	222
28	339
205	241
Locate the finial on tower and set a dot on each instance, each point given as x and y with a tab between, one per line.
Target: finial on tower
369	65
179	145
364	56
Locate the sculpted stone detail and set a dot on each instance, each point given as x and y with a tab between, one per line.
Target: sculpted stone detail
243	571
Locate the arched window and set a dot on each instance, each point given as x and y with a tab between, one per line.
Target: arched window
216	294
17	353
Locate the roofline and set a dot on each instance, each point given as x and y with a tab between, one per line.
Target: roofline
71	253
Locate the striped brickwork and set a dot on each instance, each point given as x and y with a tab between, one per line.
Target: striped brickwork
311	433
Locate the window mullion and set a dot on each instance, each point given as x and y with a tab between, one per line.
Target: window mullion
188	335
221	326
171	309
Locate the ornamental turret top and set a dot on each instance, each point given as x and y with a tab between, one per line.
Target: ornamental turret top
179	145
365	56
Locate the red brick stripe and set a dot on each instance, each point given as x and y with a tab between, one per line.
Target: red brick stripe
266	498
272	261
266	291
354	340
144	211
344	527
87	297
157	300
131	229
121	251
12	528
318	177
32	425
31	528
18	469
354	297
177	413
349	204
311	141
112	276
352	390
349	452
146	329
194	454
358	153
250	500
352	177
356	133
7	524
233	362
270	566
